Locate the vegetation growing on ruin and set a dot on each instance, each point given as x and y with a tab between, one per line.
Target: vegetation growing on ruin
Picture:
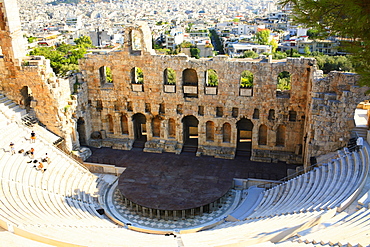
246	79
171	76
139	76
212	78
65	57
108	75
283	81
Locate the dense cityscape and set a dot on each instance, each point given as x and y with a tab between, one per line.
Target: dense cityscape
236	28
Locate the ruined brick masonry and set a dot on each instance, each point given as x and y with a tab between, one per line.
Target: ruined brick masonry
124	96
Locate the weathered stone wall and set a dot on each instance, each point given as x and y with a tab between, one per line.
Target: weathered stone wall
115	98
51	96
331	112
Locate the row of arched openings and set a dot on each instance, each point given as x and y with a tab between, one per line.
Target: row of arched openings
210	129
190	78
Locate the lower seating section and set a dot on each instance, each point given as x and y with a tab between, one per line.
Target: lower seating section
254	231
343	229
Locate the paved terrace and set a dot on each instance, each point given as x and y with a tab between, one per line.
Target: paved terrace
240	167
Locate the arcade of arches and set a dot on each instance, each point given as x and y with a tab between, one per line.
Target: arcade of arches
217	107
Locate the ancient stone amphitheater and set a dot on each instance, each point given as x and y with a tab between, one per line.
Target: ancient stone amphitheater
71	203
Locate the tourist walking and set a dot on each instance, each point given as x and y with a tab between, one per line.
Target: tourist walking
33	137
12	149
359	143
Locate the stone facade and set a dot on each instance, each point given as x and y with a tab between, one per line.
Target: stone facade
132	103
294	115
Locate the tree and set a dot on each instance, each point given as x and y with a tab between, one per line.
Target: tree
83	42
246	79
250	54
171	76
194	52
62	59
307	50
283	81
274	44
349	19
263	37
212	78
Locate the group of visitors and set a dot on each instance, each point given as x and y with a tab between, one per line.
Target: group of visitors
39	165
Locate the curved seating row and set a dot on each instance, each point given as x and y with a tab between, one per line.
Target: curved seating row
254	231
344	229
326	187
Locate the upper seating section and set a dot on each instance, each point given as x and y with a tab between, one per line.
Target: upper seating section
50	205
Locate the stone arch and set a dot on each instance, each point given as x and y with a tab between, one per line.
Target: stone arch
169	76
110	123
81	129
280	135
283	84
139	123
190	130
137	76
156	126
105	75
244	135
210	131
136	40
171	128
262	135
226	132
124	124
190	83
27	97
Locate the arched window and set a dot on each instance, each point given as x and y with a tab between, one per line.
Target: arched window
210	131
136	40
137	76
226	132
246	83
246	79
283	85
262	135
169	76
190	83
189	77
156	127
212	78
105	74
171	128
110	123
280	136
124	125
